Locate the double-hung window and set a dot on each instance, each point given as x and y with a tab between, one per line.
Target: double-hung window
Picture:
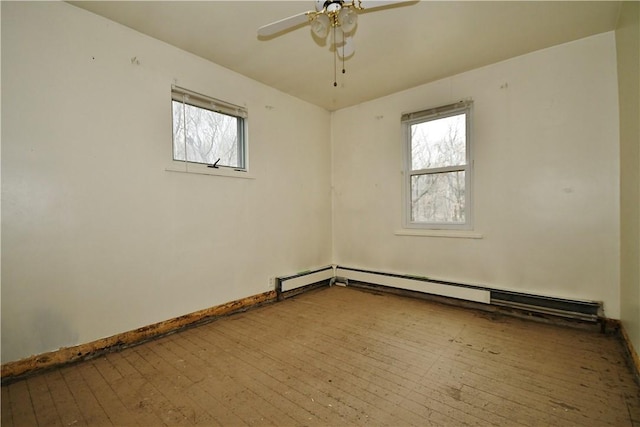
208	133
438	165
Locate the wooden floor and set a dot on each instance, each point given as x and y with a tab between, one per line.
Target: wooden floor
341	356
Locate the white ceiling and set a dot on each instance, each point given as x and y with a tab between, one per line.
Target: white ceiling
397	47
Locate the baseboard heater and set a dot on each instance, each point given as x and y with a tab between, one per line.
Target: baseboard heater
589	311
288	286
580	310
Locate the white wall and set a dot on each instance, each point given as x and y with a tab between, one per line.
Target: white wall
546	177
97	238
628	50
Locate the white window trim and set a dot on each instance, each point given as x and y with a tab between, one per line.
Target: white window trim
207	102
199	169
418	117
455	234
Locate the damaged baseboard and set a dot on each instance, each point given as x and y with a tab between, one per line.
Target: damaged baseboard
631	353
12	371
471	296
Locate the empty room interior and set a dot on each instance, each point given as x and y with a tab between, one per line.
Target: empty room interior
320	213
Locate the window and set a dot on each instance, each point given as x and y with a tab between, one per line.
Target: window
438	167
208	132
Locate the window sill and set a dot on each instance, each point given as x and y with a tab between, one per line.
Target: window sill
459	234
203	170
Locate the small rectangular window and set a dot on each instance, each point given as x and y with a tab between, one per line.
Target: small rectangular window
438	167
208	131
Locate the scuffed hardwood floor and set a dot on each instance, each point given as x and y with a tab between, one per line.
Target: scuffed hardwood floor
342	356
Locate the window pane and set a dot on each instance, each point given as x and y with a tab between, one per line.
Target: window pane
205	136
438	197
438	143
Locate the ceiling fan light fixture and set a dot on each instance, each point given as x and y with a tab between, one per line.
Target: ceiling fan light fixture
347	49
348	19
320	26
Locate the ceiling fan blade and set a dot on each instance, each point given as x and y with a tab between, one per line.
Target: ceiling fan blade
283	24
372	4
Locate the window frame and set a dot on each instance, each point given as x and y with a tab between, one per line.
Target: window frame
205	102
423	116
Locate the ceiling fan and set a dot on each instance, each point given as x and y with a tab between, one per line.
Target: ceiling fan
336	17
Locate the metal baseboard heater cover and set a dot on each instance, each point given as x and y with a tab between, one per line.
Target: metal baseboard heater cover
416	283
573	309
582	310
288	286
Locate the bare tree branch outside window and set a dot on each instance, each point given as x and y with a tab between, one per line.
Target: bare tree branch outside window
204	136
438	152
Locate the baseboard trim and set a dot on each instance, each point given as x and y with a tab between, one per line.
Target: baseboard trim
632	355
12	371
